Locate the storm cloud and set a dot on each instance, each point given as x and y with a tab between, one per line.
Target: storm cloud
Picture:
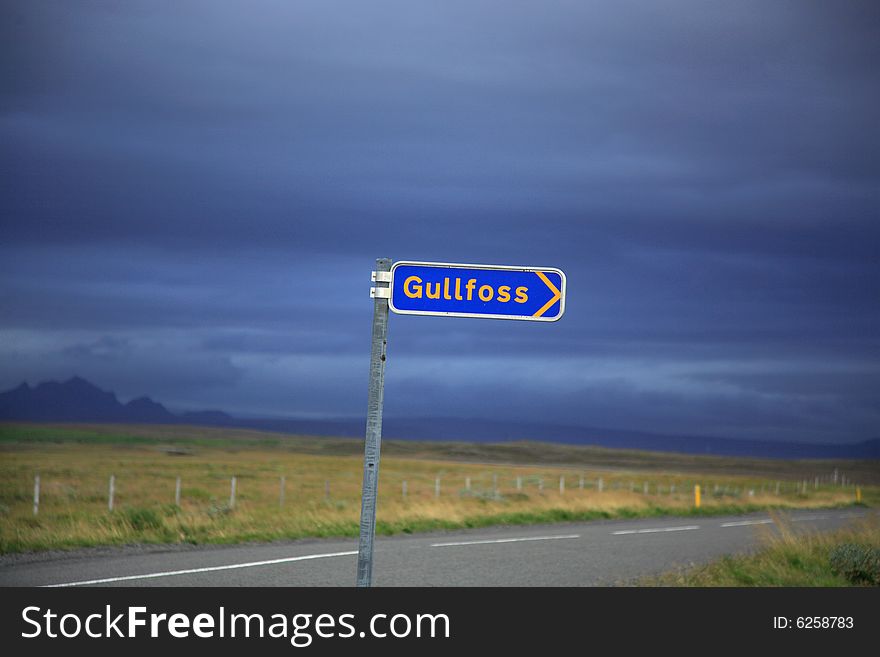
194	194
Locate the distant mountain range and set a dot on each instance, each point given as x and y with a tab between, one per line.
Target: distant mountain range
78	400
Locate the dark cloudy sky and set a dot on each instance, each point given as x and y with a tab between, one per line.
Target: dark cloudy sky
193	195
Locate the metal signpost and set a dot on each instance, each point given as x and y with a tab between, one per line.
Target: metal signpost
442	289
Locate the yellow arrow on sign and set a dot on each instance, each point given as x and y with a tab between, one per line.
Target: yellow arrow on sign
556	294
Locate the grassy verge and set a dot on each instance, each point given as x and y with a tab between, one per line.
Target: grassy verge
322	491
790	558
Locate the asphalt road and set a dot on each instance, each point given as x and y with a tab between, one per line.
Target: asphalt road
571	554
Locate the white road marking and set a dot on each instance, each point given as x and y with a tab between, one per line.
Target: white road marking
507	540
741	523
208	569
655	530
806	518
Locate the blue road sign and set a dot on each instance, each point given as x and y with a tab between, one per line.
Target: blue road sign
489	291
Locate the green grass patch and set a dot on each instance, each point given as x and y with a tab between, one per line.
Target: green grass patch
847	557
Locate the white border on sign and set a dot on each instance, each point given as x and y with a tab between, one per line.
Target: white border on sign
458	265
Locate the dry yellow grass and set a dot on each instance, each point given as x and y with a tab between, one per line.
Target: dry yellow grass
786	558
74	490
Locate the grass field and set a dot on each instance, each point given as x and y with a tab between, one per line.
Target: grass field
789	559
323	486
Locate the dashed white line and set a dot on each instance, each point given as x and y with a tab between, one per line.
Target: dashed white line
655	530
741	523
807	518
208	569
507	540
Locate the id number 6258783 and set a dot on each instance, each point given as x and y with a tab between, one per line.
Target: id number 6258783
813	623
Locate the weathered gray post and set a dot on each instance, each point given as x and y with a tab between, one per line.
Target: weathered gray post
177	492
373	440
281	491
232	493
36	494
112	492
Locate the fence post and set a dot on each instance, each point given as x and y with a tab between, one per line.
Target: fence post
281	492
600	485
519	483
436	486
495	486
581	483
36	494
326	489
562	485
540	483
112	492
177	492
403	489
645	488
467	483
232	493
